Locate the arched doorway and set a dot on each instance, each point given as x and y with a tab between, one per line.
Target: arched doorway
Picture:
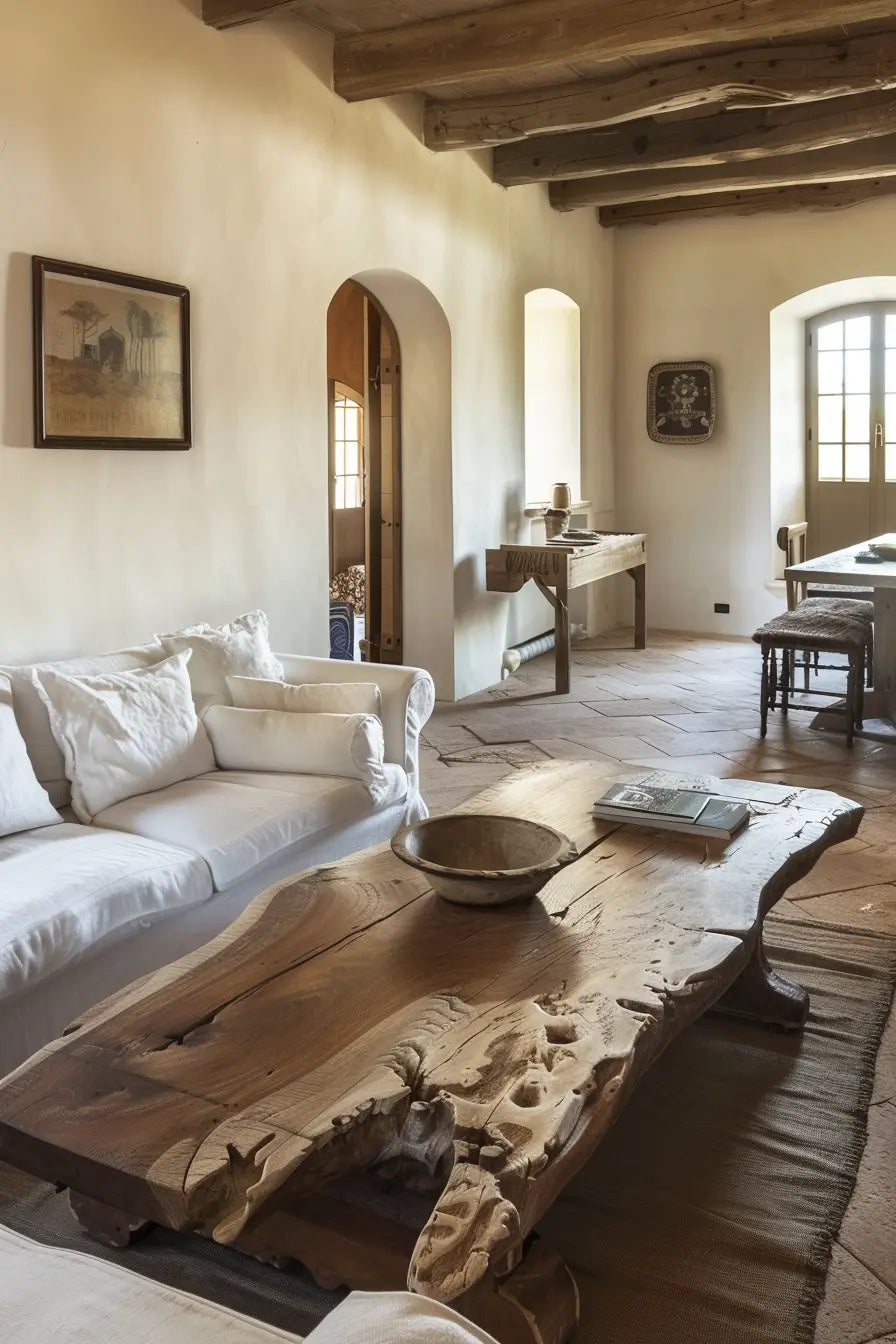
364	390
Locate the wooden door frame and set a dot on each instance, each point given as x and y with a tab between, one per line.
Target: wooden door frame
841	313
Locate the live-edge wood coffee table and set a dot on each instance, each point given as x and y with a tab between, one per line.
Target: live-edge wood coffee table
393	1090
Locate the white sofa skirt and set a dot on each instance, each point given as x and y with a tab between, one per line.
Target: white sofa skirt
39	1014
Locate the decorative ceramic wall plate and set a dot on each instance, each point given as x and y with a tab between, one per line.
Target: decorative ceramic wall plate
681	402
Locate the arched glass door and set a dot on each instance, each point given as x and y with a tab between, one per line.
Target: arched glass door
851	448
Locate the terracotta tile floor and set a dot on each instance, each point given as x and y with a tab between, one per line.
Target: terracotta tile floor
691	705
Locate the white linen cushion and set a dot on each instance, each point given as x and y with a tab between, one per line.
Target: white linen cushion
23	803
240	648
63	888
125	732
238	820
395	1318
31	712
56	1296
348	745
344	697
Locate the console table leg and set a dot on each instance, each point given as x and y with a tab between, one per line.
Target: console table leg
538	1303
105	1224
760	994
559	600
639	575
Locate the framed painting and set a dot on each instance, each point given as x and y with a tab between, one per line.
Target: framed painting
681	402
111	359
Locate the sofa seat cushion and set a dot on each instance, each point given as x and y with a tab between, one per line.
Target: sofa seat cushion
56	1296
64	888
238	819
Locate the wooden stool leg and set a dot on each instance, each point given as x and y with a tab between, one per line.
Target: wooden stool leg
786	656
773	680
763	694
851	699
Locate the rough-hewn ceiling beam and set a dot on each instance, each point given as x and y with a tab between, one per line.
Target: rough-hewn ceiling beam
863	158
229	13
729	137
816	196
533	34
755	77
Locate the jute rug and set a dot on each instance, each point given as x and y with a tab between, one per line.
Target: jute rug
709	1212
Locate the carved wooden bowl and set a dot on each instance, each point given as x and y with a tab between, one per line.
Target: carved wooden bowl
479	859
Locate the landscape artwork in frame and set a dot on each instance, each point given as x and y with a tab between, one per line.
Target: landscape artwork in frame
111	359
681	402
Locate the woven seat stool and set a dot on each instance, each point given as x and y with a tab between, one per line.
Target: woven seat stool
810	629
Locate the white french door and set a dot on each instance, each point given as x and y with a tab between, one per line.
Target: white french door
851	457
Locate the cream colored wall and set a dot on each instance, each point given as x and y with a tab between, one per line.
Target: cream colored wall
136	138
716	290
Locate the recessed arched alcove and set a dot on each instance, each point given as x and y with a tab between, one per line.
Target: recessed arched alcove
788	391
427	513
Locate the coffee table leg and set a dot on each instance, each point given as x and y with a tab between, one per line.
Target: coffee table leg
536	1303
105	1224
760	994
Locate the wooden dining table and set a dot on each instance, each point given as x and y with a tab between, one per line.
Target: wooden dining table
844	568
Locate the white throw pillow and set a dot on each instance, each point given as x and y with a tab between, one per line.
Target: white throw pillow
24	804
240	648
125	733
349	745
345	697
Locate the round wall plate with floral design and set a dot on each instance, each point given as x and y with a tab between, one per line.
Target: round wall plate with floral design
681	402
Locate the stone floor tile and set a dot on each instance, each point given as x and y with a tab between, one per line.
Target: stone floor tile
509	753
617	708
846	868
865	907
718	721
564	749
856	1305
885	1073
621	748
869	1228
694	765
696	744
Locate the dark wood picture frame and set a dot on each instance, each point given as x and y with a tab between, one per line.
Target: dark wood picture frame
130	358
681	402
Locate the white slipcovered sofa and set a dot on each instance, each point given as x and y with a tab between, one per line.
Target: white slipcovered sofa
86	909
53	1296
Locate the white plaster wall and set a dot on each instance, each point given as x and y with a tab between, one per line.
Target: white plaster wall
708	290
133	137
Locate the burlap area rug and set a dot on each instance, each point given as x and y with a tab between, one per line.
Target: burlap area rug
708	1213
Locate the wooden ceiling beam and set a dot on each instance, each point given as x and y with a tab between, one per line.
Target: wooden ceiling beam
752	77
815	196
861	159
230	13
534	34
730	137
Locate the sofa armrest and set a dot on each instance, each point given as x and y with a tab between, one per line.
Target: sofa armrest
408	693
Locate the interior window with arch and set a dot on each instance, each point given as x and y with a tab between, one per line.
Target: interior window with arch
851	457
348	449
553	394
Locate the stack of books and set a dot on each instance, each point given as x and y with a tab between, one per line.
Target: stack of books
684	810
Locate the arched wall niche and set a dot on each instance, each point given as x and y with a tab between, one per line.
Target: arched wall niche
424	338
788	392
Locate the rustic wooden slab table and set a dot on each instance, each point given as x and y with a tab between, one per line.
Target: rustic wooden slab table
393	1090
556	570
843	568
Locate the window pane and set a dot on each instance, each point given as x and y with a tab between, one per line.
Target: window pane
891	329
830	419
858	419
351	422
339	493
890	462
890	410
858	333
831	336
830	462
890	358
858	461
339	422
339	458
858	371
352	492
352	465
830	371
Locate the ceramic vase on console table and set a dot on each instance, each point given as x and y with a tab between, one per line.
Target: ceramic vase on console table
556	518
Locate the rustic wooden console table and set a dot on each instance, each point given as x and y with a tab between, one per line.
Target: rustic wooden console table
392	1090
555	570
